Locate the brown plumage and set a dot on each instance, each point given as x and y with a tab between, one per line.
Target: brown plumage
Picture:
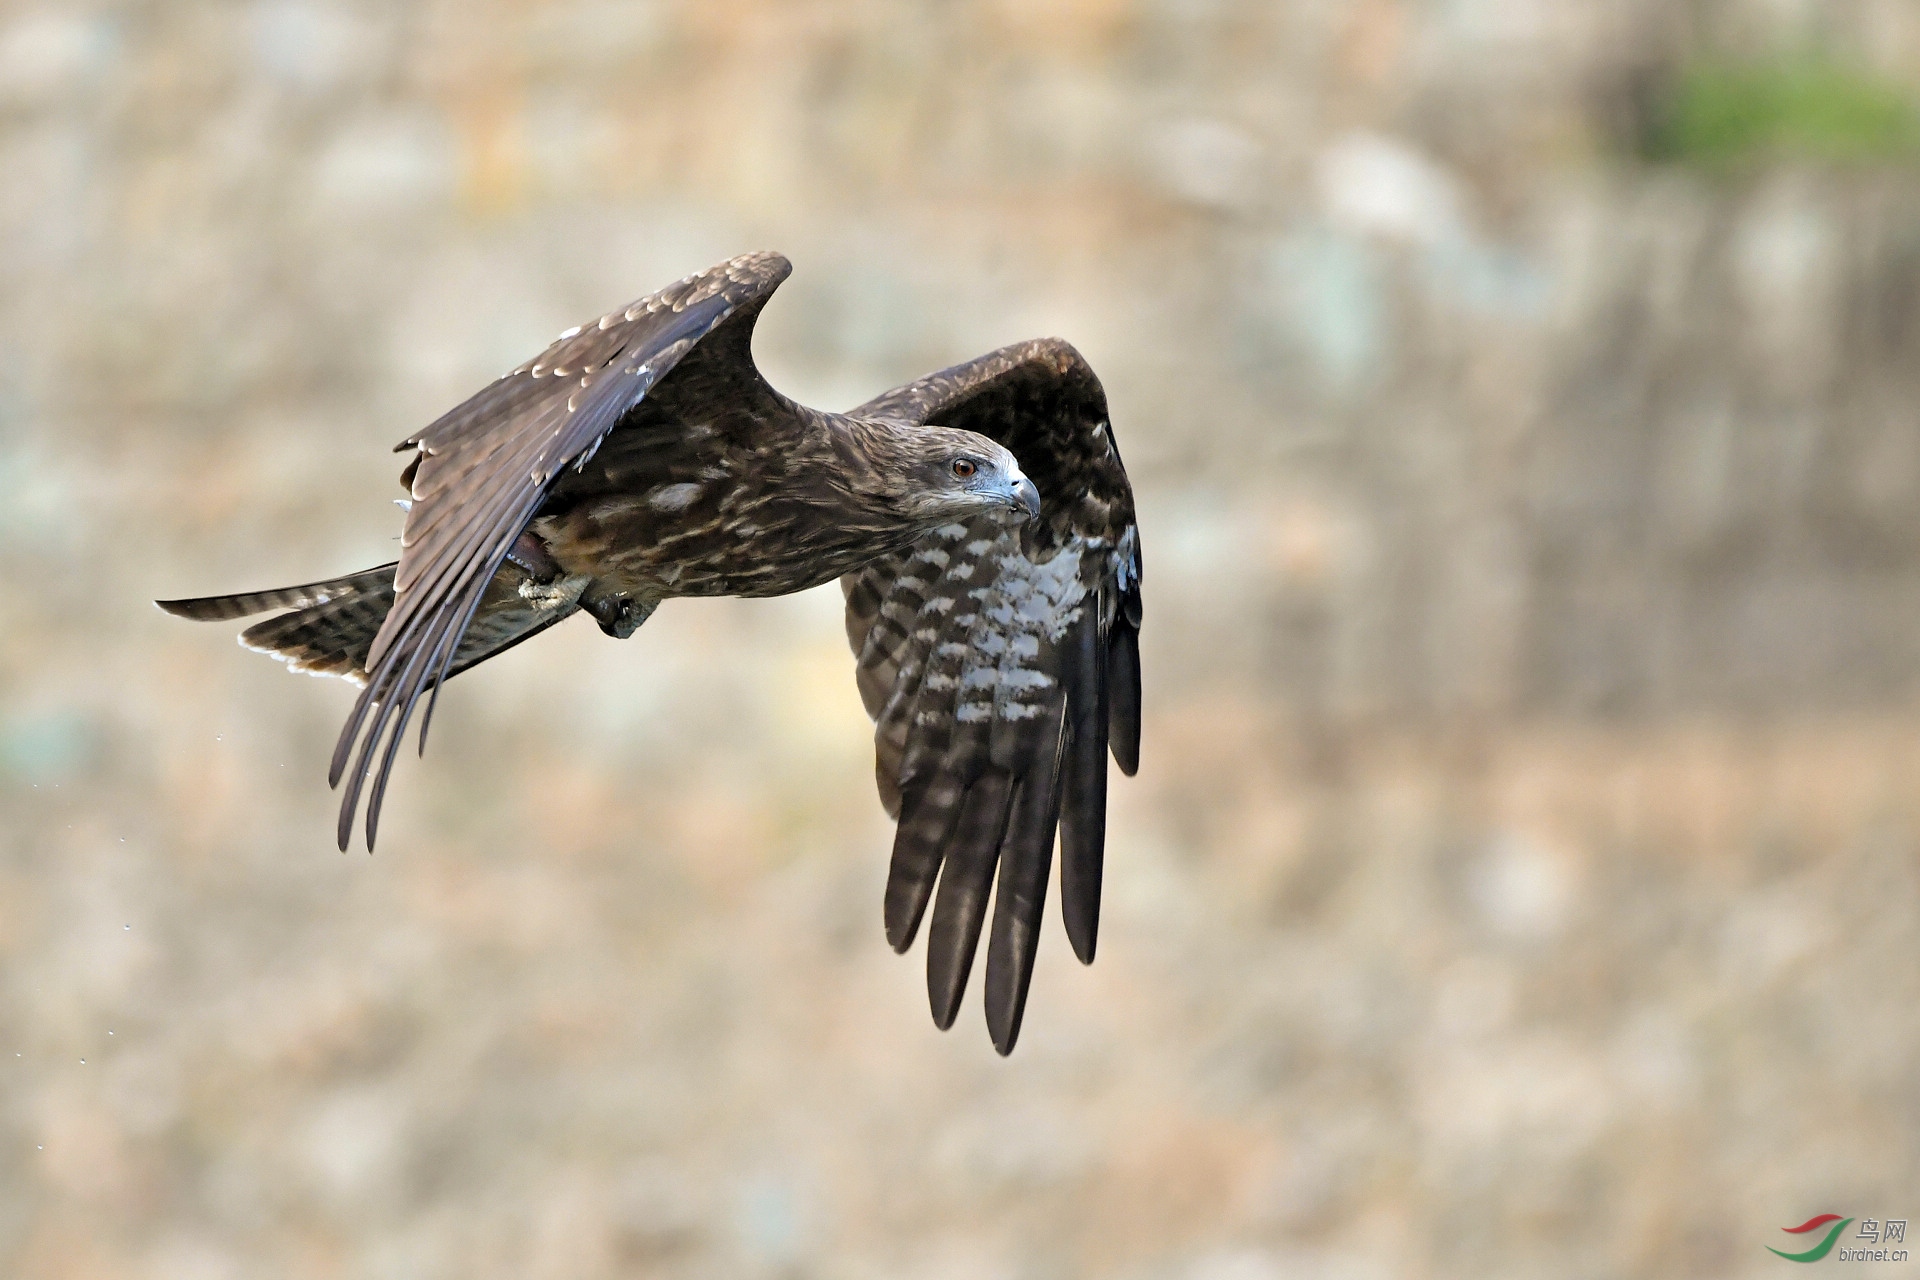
994	615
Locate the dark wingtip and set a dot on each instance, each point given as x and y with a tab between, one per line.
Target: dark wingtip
343	745
1026	857
1123	698
1083	947
949	964
945	1002
966	881
925	820
905	905
1005	1047
1006	1004
1082	852
1083	778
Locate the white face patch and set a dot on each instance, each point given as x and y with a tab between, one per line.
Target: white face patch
673	497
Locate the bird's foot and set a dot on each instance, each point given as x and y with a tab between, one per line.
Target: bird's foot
561	593
530	553
619	615
545	584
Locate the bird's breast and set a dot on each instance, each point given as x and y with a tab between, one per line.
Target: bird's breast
713	536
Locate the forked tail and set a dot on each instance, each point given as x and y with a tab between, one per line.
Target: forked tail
330	625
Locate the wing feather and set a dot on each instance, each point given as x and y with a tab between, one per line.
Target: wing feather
919	841
1083	802
1000	666
965	878
1026	854
481	472
1123	729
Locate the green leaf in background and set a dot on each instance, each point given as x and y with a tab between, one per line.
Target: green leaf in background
1723	116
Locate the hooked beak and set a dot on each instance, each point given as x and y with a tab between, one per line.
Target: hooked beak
1026	498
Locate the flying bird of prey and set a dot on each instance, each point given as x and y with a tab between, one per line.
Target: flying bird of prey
979	521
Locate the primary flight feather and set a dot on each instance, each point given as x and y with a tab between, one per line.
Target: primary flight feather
979	520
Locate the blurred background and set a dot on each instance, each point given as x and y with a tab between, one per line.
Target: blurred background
1523	873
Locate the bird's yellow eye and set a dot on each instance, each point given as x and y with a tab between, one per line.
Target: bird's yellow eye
964	468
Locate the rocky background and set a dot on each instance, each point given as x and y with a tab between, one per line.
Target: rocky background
1523	874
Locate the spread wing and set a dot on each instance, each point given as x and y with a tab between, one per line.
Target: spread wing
1000	665
482	471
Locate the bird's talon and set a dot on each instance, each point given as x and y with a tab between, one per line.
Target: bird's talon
530	553
618	615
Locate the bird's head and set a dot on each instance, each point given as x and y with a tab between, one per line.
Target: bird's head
953	476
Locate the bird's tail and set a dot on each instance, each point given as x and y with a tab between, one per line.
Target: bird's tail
330	625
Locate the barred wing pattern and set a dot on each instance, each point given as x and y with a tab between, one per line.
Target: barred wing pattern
999	666
481	473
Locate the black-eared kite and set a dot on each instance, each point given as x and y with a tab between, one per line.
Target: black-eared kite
979	521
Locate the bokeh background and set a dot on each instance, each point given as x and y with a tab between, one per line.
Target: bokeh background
1523	874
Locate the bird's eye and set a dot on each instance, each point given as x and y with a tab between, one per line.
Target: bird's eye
964	468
